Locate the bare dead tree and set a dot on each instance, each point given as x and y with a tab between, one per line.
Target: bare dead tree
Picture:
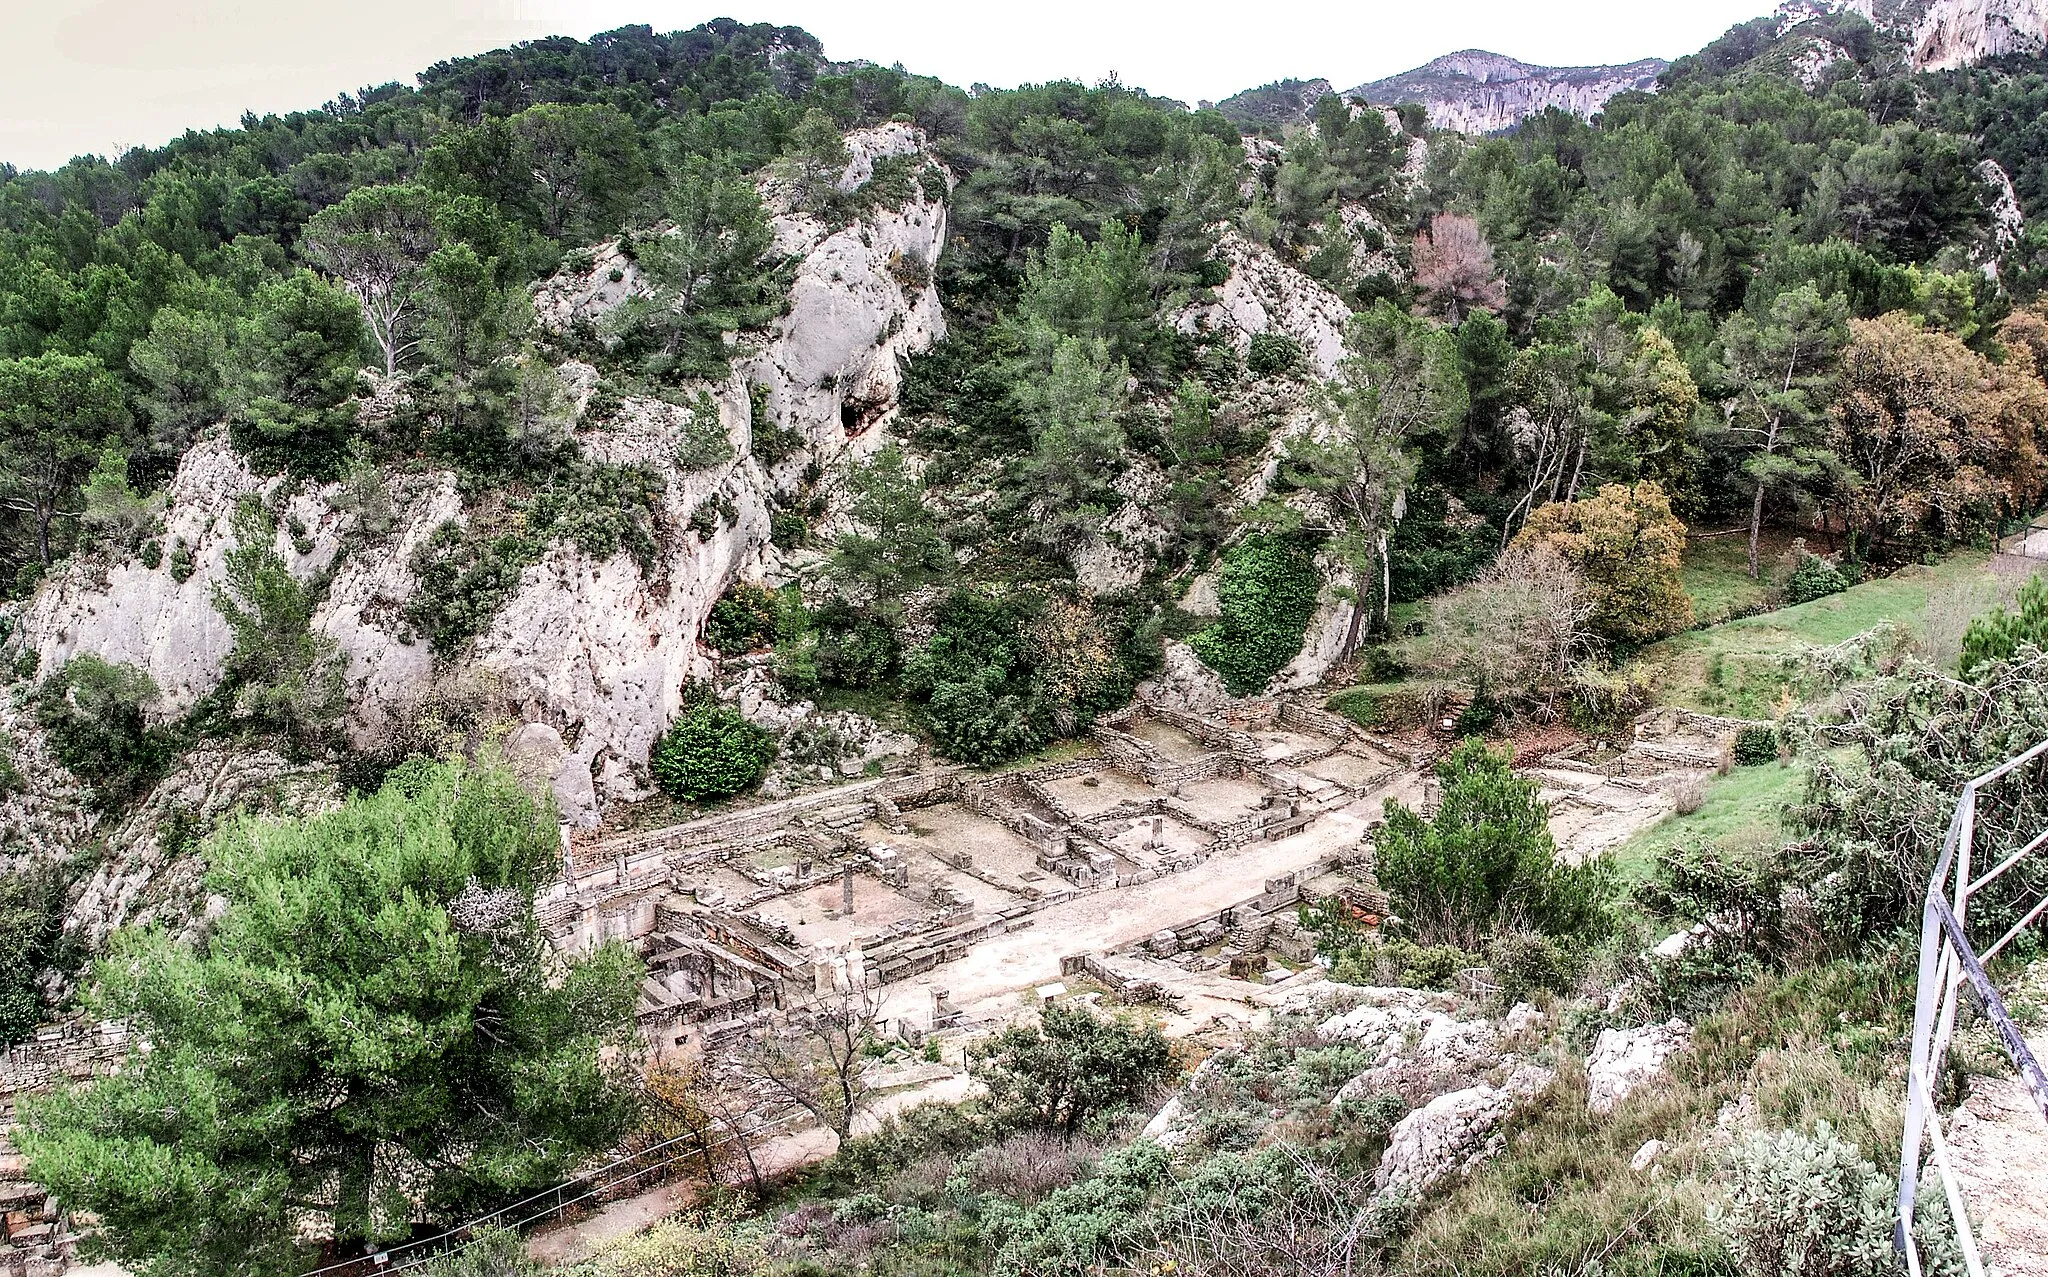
1454	268
813	1055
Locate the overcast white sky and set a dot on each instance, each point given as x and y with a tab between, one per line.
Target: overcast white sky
85	76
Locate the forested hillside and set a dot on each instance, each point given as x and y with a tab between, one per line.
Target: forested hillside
689	418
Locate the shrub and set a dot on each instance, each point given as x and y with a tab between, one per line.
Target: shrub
743	621
464	578
31	939
1628	546
1071	1065
1998	635
1813	578
703	443
1523	964
710	751
856	647
1027	1166
1084	1227
1478	718
1755	745
1804	1205
1272	355
493	1252
96	714
981	703
1487	858
1268	591
971	722
1689	796
285	677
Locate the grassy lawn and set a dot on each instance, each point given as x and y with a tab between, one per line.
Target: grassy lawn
1716	575
1733	668
1746	799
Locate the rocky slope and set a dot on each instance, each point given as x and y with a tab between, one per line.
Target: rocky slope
589	658
1479	92
596	652
1944	34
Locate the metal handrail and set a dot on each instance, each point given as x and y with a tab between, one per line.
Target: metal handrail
425	1249
1948	962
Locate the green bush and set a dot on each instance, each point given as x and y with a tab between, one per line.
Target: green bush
1804	1205
710	751
1524	964
1486	861
1478	718
1070	1066
743	621
31	939
1755	745
1813	578
1998	635
971	722
1082	1228
464	578
1268	590
96	715
284	677
856	647
1272	355
980	701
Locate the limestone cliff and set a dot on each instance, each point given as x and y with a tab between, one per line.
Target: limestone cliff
1944	34
1956	33
598	651
1479	92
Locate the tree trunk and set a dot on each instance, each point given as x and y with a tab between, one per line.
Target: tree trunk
1386	585
1756	523
1358	606
352	1200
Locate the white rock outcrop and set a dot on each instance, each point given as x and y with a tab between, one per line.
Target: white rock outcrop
1264	295
1478	92
1958	33
1185	683
1453	1133
146	617
603	650
1623	1061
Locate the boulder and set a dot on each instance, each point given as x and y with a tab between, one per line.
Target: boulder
1623	1061
1453	1133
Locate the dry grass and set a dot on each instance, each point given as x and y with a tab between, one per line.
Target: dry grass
1689	795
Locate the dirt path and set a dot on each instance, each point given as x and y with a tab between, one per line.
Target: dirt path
1112	919
1998	1144
571	1243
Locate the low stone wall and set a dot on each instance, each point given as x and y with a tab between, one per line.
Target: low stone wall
63	1053
752	823
1315	722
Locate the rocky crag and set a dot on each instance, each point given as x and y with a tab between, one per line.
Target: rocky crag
1479	92
589	658
1942	35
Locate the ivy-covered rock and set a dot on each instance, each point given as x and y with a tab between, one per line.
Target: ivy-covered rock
1268	593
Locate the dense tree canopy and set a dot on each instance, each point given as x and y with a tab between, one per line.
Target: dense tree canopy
373	1028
